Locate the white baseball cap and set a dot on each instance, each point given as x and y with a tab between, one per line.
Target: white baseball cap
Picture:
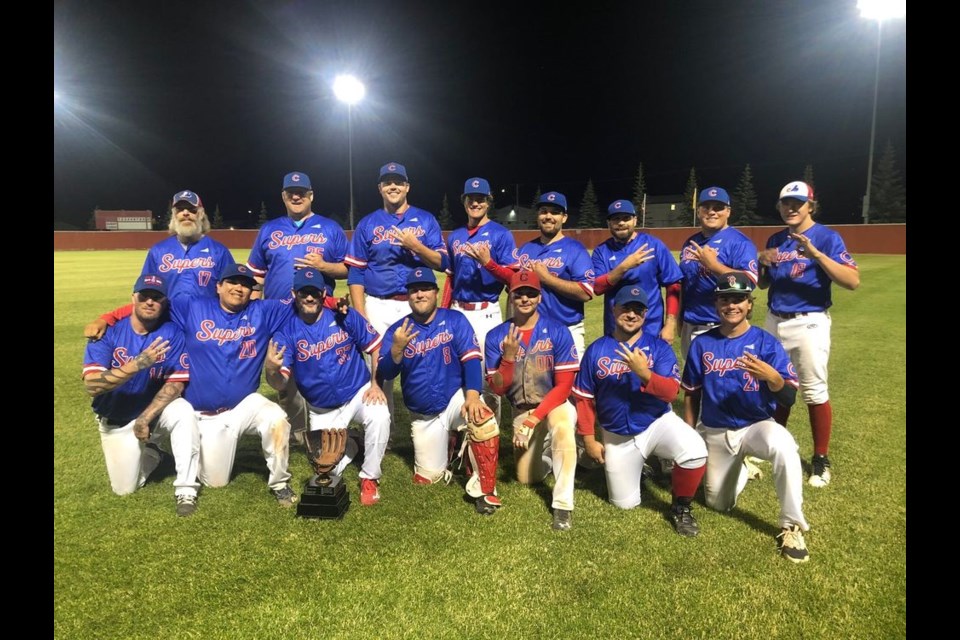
797	190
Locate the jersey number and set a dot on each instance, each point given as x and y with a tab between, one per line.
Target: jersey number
447	358
203	277
248	349
796	271
342	353
544	363
749	382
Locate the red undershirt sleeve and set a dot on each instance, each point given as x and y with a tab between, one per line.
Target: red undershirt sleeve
556	396
662	388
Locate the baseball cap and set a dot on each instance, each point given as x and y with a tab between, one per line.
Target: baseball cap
734	282
798	190
621	206
297	179
237	271
714	194
187	196
394	169
554	198
149	281
421	275
525	279
303	278
631	293
477	186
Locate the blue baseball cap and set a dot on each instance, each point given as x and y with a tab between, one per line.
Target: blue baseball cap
187	196
309	278
237	271
797	190
421	275
295	180
618	207
151	282
632	293
476	186
734	282
393	169
555	198
714	194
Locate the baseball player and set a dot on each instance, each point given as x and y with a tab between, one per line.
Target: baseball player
799	264
532	359
716	249
135	375
437	355
300	239
474	291
630	258
189	260
734	378
227	341
323	348
386	246
626	382
562	264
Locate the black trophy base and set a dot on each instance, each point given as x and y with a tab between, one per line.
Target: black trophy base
328	502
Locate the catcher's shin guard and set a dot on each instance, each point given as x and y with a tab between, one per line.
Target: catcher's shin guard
484	452
325	448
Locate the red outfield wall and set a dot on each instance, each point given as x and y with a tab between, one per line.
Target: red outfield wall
873	238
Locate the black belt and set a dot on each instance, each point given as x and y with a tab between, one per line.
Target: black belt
104	420
472	306
213	413
791	316
526	407
402	297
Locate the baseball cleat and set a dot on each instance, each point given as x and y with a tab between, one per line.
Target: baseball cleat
369	492
562	520
487	505
186	505
683	521
285	496
791	545
820	477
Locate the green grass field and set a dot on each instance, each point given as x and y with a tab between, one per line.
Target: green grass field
422	564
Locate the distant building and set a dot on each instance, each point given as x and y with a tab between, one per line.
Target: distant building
664	211
515	217
123	220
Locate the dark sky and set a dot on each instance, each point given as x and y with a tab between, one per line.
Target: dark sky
225	97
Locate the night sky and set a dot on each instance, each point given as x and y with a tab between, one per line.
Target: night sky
225	97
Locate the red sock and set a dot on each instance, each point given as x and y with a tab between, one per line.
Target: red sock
686	481
821	423
781	414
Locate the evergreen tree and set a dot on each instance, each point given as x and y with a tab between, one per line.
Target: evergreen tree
589	211
217	221
92	221
888	196
686	216
639	189
808	178
263	214
443	217
744	201
536	196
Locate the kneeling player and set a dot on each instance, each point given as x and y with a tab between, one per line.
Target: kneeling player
737	374
532	359
627	381
323	348
437	356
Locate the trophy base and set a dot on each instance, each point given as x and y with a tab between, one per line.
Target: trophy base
328	502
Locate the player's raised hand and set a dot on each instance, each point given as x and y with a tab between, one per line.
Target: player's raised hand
756	367
540	269
154	353
638	257
634	358
805	246
767	257
479	251
707	256
511	342
95	330
402	337
407	238
312	260
274	358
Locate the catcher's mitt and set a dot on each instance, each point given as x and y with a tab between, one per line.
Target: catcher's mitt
325	448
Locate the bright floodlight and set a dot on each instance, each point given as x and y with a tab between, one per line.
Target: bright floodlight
882	9
348	89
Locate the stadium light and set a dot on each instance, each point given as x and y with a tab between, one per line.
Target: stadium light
351	91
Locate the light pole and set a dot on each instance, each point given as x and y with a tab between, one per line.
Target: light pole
350	91
878	10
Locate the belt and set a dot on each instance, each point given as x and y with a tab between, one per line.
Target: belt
526	407
790	316
110	424
213	413
472	306
402	297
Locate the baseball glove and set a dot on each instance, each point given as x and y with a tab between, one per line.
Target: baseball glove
325	448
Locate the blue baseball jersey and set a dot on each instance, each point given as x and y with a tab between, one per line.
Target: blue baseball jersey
731	397
550	349
326	357
797	283
192	271
651	275
226	350
281	240
432	367
471	282
121	344
734	249
622	406
376	259
565	258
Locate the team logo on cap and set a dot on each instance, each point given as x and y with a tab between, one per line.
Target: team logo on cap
793	188
308	275
732	282
524	276
551	197
635	291
712	192
295	177
153	280
475	184
418	273
183	195
392	167
617	204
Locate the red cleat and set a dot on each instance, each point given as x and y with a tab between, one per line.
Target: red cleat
369	492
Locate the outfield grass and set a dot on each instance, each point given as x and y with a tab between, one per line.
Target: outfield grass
422	565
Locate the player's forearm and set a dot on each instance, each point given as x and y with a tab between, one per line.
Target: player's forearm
763	277
473	375
615	275
565	288
845	276
101	382
556	396
275	378
661	387
257	292
586	417
358	300
431	258
691	407
167	394
336	270
118	314
500	272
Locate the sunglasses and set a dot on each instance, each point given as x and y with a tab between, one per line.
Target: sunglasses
713	206
156	296
185	207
